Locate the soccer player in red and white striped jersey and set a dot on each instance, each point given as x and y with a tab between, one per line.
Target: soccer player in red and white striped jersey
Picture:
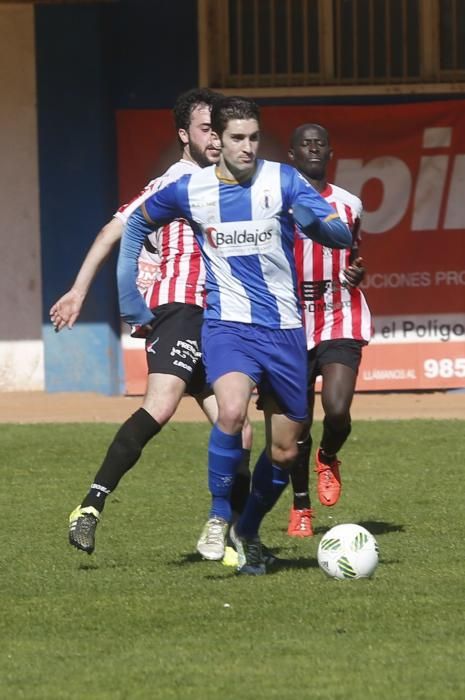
332	310
171	278
337	322
171	269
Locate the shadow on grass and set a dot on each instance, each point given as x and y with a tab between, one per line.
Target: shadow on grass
91	566
376	527
280	565
187	558
299	563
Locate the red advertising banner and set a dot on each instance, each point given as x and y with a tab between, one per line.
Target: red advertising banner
407	163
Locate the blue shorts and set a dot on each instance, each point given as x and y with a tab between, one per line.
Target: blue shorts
273	357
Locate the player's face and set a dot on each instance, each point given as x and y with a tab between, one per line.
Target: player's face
311	153
239	147
202	144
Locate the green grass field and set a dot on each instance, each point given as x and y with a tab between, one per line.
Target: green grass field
144	617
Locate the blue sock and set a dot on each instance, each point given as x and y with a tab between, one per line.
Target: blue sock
268	483
224	456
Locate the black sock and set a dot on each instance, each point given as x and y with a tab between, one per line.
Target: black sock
300	475
239	493
326	458
334	436
241	485
122	454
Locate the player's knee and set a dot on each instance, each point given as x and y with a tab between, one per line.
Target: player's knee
337	414
231	417
161	412
284	455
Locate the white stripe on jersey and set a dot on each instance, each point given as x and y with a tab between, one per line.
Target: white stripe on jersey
262	200
235	303
332	311
211	212
249	283
182	273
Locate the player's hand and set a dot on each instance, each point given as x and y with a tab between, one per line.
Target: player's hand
141	331
354	274
65	311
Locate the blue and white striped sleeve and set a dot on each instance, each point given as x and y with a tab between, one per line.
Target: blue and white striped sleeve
161	207
133	308
315	217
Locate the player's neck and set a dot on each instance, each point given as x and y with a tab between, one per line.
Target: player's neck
186	155
228	174
319	184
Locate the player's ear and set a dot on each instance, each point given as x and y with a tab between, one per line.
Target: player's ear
215	139
290	154
184	136
331	154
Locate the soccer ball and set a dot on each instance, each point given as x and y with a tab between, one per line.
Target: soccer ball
348	551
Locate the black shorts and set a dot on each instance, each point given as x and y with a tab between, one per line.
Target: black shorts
342	352
174	347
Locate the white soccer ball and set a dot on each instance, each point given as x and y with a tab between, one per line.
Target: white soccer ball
348	551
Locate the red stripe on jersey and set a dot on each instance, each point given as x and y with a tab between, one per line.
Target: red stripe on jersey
163	236
141	196
299	263
178	243
356	299
356	307
194	282
337	325
349	217
335	311
319	313
182	274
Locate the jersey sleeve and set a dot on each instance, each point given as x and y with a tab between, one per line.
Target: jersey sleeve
315	218
125	211
159	208
163	206
133	308
171	175
357	226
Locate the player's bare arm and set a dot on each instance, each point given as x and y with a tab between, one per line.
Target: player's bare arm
66	310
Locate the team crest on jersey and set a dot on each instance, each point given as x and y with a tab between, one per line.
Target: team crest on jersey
266	200
242	237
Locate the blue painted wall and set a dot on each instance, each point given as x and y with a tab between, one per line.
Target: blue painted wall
92	60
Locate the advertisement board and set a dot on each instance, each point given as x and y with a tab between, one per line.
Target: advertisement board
407	163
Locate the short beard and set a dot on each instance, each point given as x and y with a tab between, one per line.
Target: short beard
199	156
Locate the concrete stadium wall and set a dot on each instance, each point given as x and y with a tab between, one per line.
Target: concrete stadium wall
21	348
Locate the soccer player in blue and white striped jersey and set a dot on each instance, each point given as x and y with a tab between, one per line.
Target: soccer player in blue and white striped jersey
242	212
